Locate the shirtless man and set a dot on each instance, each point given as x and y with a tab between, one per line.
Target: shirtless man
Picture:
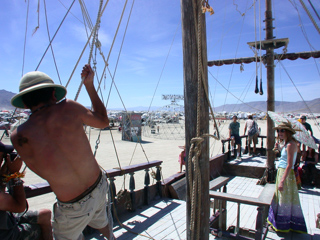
54	145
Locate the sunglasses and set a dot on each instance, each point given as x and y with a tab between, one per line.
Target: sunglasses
281	130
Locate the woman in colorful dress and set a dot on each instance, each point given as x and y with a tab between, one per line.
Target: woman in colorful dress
285	213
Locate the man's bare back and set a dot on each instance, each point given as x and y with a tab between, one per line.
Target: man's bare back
54	145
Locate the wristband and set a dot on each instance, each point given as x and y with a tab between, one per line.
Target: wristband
7	178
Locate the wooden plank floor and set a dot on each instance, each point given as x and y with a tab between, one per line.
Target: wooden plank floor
163	219
166	218
257	161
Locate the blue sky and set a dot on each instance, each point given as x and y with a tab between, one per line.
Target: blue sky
150	62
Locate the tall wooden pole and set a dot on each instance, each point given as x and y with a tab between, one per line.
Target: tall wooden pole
270	90
190	66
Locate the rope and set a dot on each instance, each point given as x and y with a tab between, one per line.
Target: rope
302	25
38	11
194	174
315	11
45	52
260	50
92	45
164	65
260	110
310	16
25	39
84	48
54	59
299	93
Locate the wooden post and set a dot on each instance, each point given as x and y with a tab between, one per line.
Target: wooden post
190	72
270	91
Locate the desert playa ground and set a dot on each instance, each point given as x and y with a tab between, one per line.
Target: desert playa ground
112	152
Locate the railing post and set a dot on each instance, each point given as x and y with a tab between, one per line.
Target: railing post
238	220
132	192
247	145
146	187
223	149
158	178
112	189
224	206
229	150
240	147
262	151
259	224
224	188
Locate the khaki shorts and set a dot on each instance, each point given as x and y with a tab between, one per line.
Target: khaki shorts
70	219
253	138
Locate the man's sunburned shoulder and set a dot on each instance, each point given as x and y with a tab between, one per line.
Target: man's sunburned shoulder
69	104
18	139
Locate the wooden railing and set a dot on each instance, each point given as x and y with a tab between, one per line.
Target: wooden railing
227	141
43	188
220	204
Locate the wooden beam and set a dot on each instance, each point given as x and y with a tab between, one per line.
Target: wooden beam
190	74
247	60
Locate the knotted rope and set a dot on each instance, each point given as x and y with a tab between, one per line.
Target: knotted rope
96	27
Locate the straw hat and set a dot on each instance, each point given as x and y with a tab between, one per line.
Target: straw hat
36	80
286	126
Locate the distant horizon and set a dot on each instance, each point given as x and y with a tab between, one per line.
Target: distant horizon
235	106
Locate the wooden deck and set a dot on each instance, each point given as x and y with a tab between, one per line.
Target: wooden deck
166	218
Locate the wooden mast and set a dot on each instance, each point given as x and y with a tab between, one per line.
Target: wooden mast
190	72
270	91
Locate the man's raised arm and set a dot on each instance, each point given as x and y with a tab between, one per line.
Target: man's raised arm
99	111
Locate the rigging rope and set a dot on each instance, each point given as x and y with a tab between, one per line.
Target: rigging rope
315	11
164	65
38	11
243	15
260	50
310	16
54	59
255	47
25	39
92	44
235	95
84	48
298	92
302	26
45	52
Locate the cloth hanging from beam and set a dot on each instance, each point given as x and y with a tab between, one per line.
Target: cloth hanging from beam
246	60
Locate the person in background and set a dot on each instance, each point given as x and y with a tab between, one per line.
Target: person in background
53	144
234	127
307	126
310	158
251	125
31	225
285	213
303	120
182	158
